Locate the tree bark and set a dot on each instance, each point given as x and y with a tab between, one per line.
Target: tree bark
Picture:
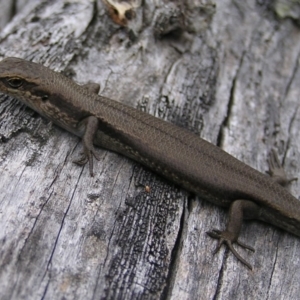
228	72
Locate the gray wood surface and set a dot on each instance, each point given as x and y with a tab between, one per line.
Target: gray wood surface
228	73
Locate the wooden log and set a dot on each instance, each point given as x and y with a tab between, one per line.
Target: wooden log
228	72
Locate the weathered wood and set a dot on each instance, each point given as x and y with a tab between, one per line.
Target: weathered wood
6	12
231	76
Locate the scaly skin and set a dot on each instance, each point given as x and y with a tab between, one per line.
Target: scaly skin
171	151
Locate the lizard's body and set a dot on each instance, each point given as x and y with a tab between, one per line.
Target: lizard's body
173	152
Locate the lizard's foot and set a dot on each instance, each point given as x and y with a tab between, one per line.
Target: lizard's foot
276	170
225	237
87	156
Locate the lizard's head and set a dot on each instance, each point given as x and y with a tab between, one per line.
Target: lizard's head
26	81
41	89
18	76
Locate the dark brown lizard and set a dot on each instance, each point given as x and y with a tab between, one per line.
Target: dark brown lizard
171	151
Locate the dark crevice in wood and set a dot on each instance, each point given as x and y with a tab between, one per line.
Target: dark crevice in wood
45	290
219	282
273	268
91	26
191	199
13	9
220	137
48	265
226	120
175	256
33	227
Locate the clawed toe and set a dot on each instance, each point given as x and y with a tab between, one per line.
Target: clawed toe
226	237
81	160
87	156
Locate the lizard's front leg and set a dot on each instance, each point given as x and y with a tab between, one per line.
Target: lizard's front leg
91	124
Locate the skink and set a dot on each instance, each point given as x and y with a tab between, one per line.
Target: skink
173	152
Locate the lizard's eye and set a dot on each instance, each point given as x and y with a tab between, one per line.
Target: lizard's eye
45	97
15	82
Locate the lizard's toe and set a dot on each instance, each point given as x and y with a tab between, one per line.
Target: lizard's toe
226	237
